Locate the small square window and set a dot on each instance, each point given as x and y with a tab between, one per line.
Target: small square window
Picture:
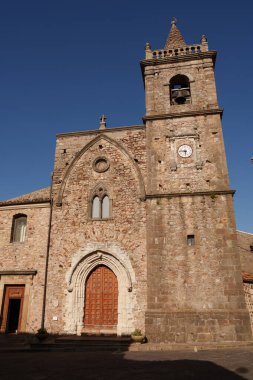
190	240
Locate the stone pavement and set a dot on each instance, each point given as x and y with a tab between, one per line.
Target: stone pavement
203	365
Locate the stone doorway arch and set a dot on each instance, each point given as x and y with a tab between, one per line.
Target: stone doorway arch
76	291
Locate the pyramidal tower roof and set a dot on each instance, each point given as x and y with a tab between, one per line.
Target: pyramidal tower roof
175	38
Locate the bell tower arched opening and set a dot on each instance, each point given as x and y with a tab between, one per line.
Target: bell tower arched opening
180	90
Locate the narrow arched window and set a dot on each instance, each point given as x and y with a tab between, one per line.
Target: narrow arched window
180	92
100	204
19	222
96	207
105	207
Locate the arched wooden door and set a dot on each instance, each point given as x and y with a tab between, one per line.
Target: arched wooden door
101	299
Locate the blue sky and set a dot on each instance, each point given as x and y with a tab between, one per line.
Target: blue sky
64	63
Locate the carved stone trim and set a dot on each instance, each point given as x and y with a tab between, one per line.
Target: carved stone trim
191	139
100	191
189	194
179	58
101	164
18	272
173	115
88	146
76	289
99	131
18	205
92	258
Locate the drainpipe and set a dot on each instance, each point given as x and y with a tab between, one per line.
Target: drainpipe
47	256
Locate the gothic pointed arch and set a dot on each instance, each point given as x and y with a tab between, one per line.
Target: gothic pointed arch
94	258
85	149
100	206
77	281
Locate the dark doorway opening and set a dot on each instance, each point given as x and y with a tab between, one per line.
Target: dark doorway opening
13	315
12	308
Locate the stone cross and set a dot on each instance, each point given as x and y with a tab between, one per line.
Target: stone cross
102	122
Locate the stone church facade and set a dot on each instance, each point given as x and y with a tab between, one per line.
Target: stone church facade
137	229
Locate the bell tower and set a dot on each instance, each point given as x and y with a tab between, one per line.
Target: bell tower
195	289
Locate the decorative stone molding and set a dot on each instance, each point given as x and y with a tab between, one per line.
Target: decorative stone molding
173	115
18	272
101	190
98	131
86	261
18	206
177	58
101	164
98	258
191	194
193	140
88	146
180	72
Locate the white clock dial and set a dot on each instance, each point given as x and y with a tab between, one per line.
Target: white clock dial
185	151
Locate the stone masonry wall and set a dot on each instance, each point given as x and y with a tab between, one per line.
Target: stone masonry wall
73	230
29	255
205	170
202	85
248	289
244	240
200	281
198	295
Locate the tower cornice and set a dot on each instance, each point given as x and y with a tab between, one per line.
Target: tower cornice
173	115
163	58
158	57
210	193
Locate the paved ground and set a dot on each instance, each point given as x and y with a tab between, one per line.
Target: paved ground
202	365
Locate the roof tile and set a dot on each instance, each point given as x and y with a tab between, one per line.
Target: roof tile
247	277
35	196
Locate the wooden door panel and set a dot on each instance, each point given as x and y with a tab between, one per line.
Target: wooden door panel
11	293
101	299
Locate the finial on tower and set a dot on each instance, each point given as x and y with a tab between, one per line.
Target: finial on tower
204	43
102	122
203	39
148	51
147	46
173	21
175	38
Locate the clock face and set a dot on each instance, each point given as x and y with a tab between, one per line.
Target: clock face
185	151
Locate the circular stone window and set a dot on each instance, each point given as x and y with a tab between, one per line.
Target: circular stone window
101	164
